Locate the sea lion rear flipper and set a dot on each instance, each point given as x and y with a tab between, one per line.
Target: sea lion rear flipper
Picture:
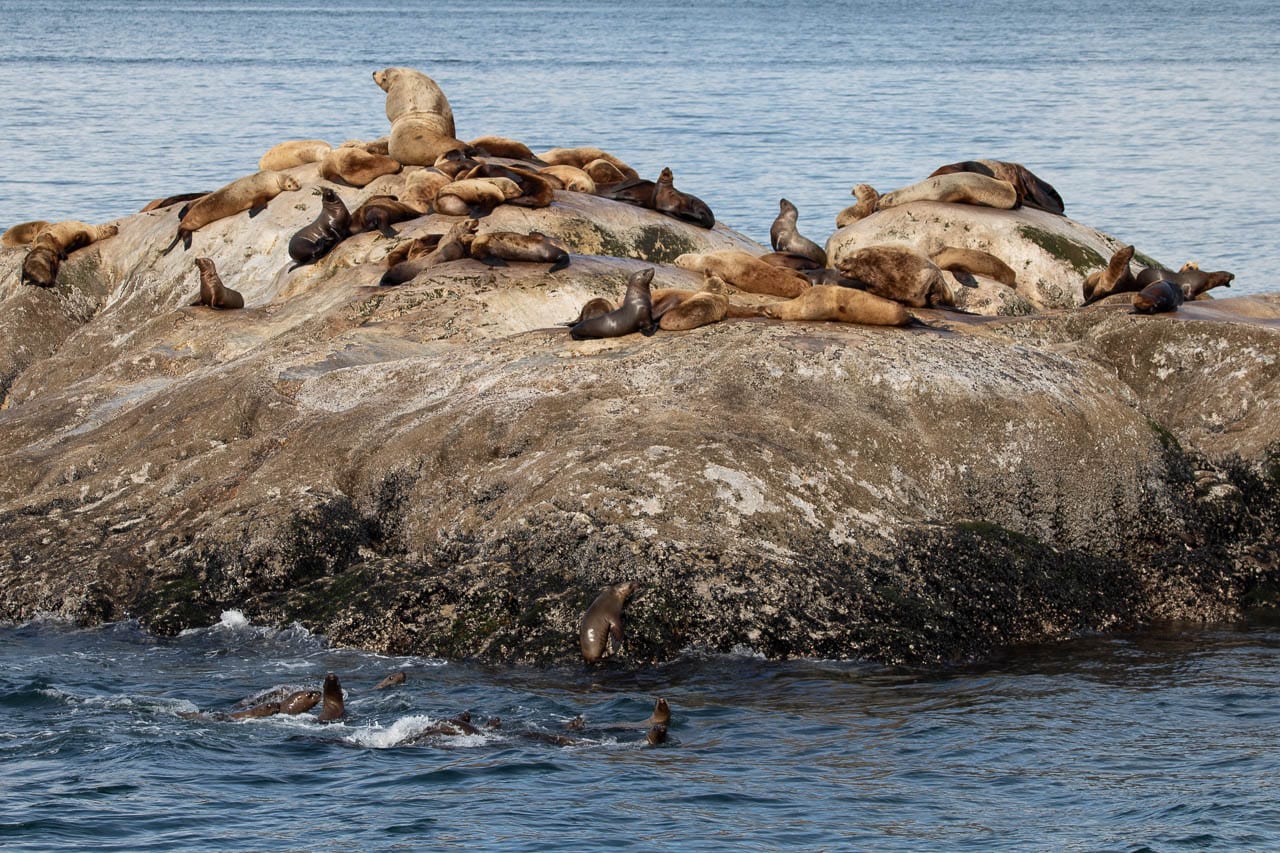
476	211
254	211
560	264
493	261
388	231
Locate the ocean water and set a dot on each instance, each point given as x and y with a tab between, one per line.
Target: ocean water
1157	122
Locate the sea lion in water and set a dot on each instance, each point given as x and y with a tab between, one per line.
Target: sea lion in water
661	716
379	213
785	238
421	118
453	246
656	735
635	313
356	167
900	273
1030	190
266	709
293	152
497	247
976	262
841	304
392	680
299	702
329	228
603	620
251	193
957	188
212	291
1114	278
1157	297
680	205
745	272
333	707
22	233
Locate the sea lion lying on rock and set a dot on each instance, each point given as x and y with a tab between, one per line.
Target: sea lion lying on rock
495	248
1031	190
251	193
745	272
634	315
294	152
1158	296
899	273
841	304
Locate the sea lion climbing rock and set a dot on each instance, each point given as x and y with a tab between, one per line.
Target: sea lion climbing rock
495	248
421	118
603	620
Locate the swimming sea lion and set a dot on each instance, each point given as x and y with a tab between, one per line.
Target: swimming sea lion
293	152
333	707
356	167
1030	189
453	246
656	735
1114	278
212	291
497	247
379	213
745	272
571	178
680	205
603	618
900	273
683	310
974	261
1158	296
841	304
580	157
475	197
785	238
250	193
661	716
868	201
299	702
329	228
421	118
597	307
392	680
22	233
955	188
266	709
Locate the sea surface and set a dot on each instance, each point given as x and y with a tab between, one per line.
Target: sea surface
1158	123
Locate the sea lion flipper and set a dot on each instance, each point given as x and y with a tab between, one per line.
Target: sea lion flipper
388	231
254	211
560	264
493	261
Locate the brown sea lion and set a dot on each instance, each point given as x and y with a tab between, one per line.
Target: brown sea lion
1114	278
455	163
976	262
392	680
634	315
827	275
791	261
656	735
169	201
299	702
603	620
40	266
580	157
1191	279
604	172
634	191
293	152
420	188
955	188
535	189
475	197
266	709
251	193
745	272
356	167
421	118
212	292
327	230
501	146
1030	189
661	716
868	201
495	248
452	247
1159	296
22	233
571	178
409	250
900	273
379	213
683	310
333	707
680	205
841	304
785	238
597	307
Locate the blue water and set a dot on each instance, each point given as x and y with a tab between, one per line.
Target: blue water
1157	122
1161	741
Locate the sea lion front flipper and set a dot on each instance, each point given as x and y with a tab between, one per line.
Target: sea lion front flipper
560	264
388	231
493	261
254	211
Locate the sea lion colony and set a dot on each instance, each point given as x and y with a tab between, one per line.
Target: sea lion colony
446	176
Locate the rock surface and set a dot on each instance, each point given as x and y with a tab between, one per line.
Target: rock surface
438	468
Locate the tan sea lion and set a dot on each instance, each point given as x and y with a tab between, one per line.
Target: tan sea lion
603	172
976	262
212	292
785	238
680	205
868	201
1157	297
421	186
250	193
841	304
571	178
379	213
955	188
745	272
1114	278
501	146
381	145
495	248
452	247
69	235
475	197
900	273
22	233
328	229
356	167
420	115
293	152
683	310
333	707
299	702
392	680
408	250
634	315
1030	189
535	189
40	266
581	156
603	620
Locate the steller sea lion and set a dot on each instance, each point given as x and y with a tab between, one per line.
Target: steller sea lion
683	310
475	197
976	262
250	193
896	272
868	200
392	680
635	313
792	261
656	735
22	233
580	157
596	307
420	115
785	238
356	167
634	191
421	186
452	247
293	152
40	266
501	146
680	205
333	707
299	702
841	304
535	189
266	709
212	291
379	213
603	620
745	272
53	243
1114	278
408	250
604	172
497	247
1190	278
1029	189
571	178
955	188
1157	297
329	228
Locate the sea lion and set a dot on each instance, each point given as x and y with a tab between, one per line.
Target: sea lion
827	275
420	115
169	201
212	292
251	193
475	197
791	261
327	230
379	213
40	266
868	201
68	235
656	735
453	246
1158	296
955	188
1190	278
680	205
501	146
597	307
420	188
841	304
299	702
900	273
571	178
356	167
580	157
745	272
635	313
497	247
409	250
661	716
392	680
785	238
22	233
634	191
293	152
455	163
266	709
381	145
535	190
333	707
1029	189
1114	278
603	619
976	262
683	310
604	172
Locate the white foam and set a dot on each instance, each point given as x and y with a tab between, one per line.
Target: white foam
406	729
